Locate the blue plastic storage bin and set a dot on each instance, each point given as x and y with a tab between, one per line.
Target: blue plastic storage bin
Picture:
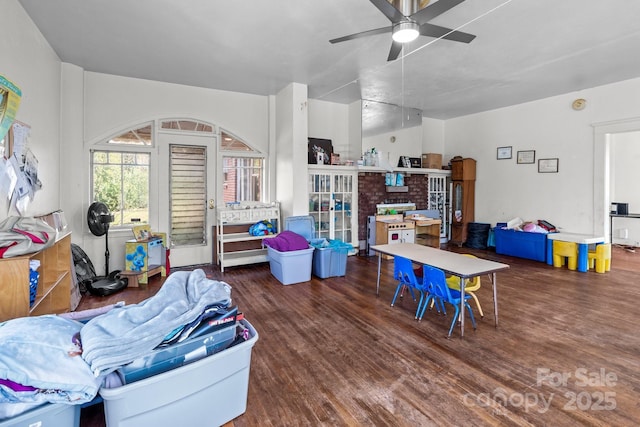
34	277
330	261
292	266
521	244
176	355
50	414
209	392
303	225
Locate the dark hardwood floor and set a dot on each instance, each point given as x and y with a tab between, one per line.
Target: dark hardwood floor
330	352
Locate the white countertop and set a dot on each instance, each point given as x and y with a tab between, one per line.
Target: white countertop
576	238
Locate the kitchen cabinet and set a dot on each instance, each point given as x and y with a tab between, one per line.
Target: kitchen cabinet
393	229
333	202
427	232
463	182
54	283
234	244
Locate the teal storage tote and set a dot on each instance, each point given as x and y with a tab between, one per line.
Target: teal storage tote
331	260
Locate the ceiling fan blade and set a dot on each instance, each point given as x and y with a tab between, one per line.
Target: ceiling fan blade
434	9
362	34
389	11
395	50
431	30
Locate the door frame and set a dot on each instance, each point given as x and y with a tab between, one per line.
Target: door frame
196	254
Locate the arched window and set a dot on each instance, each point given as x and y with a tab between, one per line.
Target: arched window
120	175
243	170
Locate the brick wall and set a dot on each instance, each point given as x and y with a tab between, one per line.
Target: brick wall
372	191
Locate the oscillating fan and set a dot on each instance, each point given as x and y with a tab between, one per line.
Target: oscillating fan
98	220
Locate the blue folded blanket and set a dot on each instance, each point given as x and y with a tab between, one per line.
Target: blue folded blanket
127	333
40	362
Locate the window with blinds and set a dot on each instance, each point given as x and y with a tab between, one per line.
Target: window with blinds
188	190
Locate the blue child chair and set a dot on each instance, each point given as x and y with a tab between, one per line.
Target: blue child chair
406	277
437	289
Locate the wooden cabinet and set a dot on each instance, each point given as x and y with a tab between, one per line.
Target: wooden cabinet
463	183
54	284
234	244
428	232
463	170
333	202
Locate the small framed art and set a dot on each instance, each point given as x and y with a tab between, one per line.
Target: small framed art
548	165
504	153
525	157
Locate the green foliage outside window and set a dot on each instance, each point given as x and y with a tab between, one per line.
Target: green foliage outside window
121	181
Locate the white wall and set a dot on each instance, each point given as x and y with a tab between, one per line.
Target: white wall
433	137
355	131
329	120
112	103
291	150
505	189
29	62
412	142
392	145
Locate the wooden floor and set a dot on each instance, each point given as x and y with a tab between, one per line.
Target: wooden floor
331	353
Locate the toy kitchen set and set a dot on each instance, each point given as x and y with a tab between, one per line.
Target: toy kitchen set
401	223
388	225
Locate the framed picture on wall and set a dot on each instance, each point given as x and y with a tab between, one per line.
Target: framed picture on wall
525	157
548	165
504	153
319	146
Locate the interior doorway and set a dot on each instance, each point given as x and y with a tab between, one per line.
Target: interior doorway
604	138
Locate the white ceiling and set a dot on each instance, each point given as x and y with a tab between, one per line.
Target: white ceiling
524	49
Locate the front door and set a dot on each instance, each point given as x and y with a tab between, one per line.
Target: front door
186	199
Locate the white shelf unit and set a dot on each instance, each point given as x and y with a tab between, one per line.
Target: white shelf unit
234	245
333	203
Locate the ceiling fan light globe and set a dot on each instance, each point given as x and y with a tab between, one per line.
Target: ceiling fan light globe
405	32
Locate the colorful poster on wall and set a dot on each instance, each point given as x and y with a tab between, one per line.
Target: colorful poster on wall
9	102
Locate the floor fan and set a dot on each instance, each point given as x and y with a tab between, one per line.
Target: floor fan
98	220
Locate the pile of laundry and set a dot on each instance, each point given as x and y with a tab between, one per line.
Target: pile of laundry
58	359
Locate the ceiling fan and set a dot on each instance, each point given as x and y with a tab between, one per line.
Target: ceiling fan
410	19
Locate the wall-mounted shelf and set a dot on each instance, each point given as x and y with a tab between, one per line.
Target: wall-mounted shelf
406	171
378	169
397	189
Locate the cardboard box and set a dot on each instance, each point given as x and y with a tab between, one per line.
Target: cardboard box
432	161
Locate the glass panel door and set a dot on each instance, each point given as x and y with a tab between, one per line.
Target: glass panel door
342	191
320	203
